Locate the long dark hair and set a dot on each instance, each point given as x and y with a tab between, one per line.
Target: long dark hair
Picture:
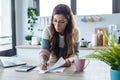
69	32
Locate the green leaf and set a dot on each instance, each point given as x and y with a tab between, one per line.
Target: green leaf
28	21
31	26
28	37
110	55
28	28
32	18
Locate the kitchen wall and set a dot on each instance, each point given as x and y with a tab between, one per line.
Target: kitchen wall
21	19
86	28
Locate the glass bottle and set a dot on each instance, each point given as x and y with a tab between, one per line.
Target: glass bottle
100	38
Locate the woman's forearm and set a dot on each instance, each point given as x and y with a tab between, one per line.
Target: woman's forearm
45	53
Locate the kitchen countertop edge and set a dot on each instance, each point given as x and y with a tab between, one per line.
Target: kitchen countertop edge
38	47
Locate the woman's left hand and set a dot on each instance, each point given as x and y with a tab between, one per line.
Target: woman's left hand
67	63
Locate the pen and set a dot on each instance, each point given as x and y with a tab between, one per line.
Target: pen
43	59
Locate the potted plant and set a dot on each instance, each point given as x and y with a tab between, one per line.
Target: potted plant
32	18
110	56
28	39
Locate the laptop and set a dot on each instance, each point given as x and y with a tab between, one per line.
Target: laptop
11	63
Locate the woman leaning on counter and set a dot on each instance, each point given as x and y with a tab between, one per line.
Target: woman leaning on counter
61	38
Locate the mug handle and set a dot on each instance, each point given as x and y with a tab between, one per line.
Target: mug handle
88	61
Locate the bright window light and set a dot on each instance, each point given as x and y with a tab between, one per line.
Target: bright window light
0	6
47	6
0	16
93	7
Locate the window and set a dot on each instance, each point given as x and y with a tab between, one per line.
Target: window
46	6
93	7
7	24
5	32
82	7
0	17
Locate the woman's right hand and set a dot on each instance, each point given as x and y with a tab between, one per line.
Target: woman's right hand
43	62
43	66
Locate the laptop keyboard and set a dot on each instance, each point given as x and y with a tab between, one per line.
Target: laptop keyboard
9	63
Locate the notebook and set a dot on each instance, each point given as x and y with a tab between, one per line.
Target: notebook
55	68
11	63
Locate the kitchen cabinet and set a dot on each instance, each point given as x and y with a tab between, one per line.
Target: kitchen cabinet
28	51
85	51
32	51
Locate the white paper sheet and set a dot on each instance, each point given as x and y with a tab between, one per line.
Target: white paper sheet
55	68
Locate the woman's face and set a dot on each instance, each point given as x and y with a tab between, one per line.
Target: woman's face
59	22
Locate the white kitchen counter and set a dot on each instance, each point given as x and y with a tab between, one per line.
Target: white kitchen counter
28	51
29	46
32	51
38	47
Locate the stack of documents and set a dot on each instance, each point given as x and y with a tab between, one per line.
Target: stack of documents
55	68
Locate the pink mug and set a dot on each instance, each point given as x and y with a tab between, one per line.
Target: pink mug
80	64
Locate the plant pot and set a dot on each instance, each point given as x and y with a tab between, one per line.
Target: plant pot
114	74
34	41
28	42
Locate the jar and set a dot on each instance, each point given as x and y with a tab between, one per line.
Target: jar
100	38
94	40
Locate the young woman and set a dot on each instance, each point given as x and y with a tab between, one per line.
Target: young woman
61	38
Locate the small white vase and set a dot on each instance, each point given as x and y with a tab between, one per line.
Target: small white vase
94	40
34	41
